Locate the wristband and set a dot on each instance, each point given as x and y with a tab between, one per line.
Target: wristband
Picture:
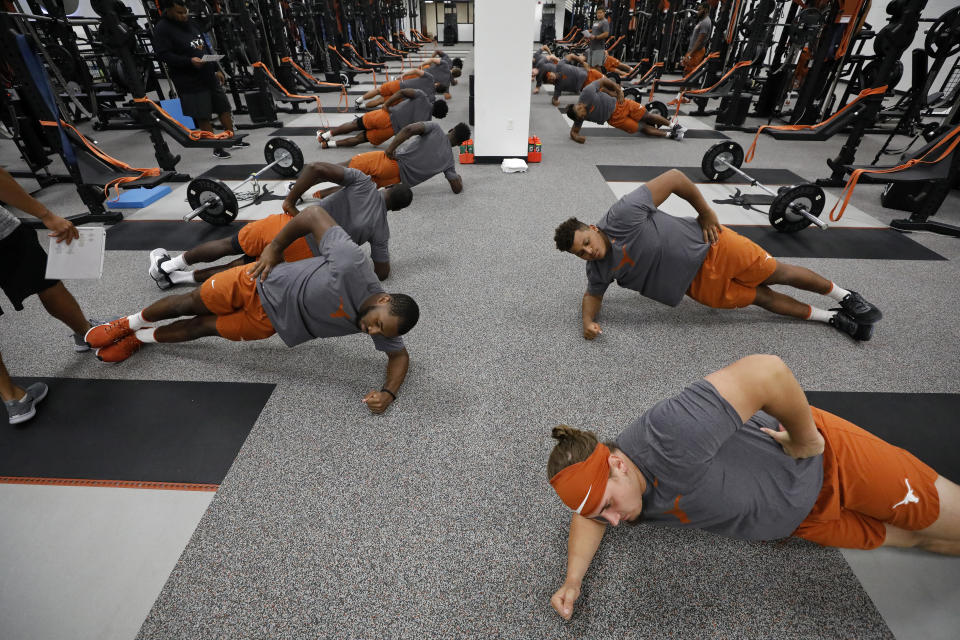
392	394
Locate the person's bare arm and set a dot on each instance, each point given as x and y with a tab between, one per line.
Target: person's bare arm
589	310
765	383
382	269
676	181
397	364
611	88
313	219
311	174
456	184
403	94
413	129
575	133
582	545
16	196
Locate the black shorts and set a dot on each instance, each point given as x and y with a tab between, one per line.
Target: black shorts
23	264
360	123
201	105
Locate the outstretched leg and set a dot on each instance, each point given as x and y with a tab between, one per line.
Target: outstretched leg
61	304
187	329
799	278
943	536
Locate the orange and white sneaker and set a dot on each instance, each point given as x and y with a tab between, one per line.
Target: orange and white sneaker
105	334
120	350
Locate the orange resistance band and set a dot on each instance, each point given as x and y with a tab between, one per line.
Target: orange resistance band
680	97
365	61
260	65
194	134
732	27
855	176
390	47
654	67
615	43
800	127
119	164
387	52
708	57
353	66
343	89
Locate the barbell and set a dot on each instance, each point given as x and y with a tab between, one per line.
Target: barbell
793	207
216	203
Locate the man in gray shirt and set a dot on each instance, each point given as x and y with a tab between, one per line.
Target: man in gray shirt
697	48
571	75
378	126
742	454
602	101
664	257
333	294
599	32
419	79
358	207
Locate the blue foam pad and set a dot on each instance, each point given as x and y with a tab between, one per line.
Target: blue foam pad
172	106
138	198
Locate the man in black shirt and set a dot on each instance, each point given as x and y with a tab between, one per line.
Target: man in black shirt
179	43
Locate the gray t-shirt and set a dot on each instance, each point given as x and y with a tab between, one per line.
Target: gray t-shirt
319	297
426	83
600	105
599	27
416	109
543	68
703	27
358	207
440	72
569	78
424	156
651	252
705	469
8	222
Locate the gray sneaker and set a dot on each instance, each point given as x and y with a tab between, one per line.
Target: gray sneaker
79	344
26	407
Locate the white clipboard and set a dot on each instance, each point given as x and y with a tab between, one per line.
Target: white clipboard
82	259
211	58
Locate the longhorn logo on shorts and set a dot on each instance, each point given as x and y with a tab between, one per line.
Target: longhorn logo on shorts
625	260
909	498
340	313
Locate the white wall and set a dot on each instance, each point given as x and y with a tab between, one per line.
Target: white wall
502	86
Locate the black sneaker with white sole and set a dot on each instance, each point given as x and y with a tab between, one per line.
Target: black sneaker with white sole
221	154
239	144
861	310
844	323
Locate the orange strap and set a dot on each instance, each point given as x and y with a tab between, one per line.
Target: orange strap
365	61
387	52
615	43
710	56
195	134
800	127
654	67
343	90
680	99
119	164
855	176
353	66
731	28
260	65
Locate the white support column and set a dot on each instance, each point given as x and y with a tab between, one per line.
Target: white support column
501	61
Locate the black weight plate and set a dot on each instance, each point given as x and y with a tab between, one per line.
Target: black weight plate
783	214
223	208
658	108
727	150
289	154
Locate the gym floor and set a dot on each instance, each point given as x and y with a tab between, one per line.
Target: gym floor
244	491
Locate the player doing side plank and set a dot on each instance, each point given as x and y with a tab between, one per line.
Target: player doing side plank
741	454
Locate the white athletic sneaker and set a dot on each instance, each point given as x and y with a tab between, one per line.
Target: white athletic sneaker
677	131
157	257
359	102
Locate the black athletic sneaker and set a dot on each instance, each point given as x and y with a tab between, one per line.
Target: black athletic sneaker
221	154
843	322
861	310
240	143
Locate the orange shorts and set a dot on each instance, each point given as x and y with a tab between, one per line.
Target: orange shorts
735	266
255	236
867	482
592	75
378	126
387	89
610	63
232	296
378	166
627	116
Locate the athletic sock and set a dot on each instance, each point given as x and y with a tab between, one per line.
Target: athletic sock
175	264
182	277
146	335
332	144
820	315
837	293
136	321
326	135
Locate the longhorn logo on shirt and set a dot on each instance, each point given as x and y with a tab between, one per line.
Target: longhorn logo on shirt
625	260
197	43
678	512
340	313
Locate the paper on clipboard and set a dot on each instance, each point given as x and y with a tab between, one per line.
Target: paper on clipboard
586	34
211	58
82	259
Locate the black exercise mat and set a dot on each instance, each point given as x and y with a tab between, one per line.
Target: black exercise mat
859	243
173	235
604	132
298	131
921	423
240	171
138	430
622	173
